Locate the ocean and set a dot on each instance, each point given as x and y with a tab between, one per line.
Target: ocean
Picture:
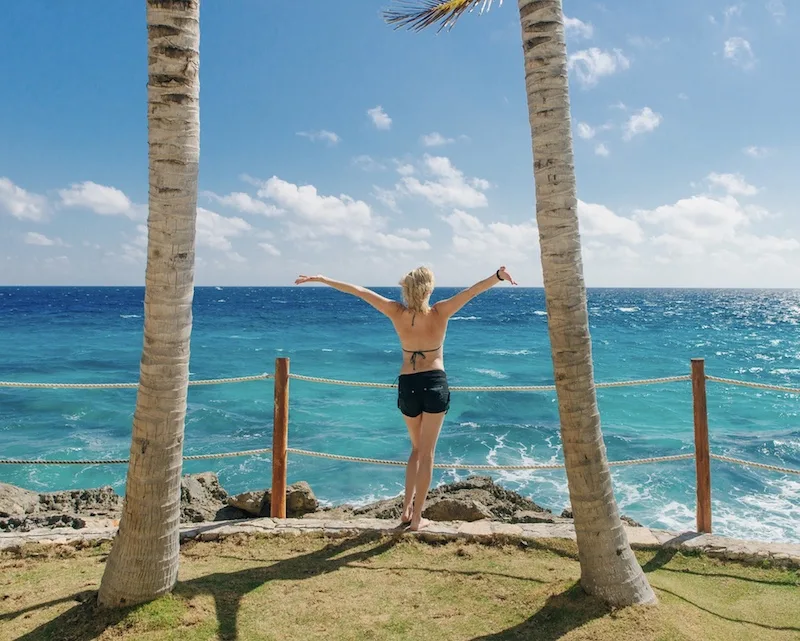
94	335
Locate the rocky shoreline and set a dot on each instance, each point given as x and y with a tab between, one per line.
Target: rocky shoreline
204	499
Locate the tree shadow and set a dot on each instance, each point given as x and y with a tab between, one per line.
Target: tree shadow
86	621
560	614
764	626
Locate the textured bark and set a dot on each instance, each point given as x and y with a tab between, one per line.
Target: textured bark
609	569
144	559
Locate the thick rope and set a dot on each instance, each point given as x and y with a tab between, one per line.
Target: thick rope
763	466
467	466
765	386
209	381
354	459
121	461
495	388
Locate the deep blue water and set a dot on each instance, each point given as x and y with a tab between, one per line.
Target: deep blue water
95	334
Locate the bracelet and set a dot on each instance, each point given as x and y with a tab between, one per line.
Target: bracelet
497	273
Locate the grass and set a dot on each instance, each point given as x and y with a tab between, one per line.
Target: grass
371	587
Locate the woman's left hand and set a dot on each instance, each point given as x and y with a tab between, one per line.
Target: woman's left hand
308	279
504	275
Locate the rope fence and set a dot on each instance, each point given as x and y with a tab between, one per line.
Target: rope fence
209	381
280	449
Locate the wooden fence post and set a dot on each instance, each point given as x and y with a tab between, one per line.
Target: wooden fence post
701	449
280	434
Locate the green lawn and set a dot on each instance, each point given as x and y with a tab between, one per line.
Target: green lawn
372	587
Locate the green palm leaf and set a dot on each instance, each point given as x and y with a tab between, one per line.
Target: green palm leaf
421	14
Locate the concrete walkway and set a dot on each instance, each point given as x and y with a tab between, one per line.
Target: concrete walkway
783	554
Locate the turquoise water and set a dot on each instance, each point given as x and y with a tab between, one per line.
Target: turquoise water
94	335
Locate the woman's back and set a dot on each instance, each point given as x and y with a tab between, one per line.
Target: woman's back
421	338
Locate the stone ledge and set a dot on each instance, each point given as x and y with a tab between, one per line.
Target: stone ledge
781	554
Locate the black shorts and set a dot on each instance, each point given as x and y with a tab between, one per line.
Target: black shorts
423	392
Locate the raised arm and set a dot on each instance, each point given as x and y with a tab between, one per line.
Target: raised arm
450	306
382	304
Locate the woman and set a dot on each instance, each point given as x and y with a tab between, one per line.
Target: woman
423	395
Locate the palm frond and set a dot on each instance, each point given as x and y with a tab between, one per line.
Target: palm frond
417	15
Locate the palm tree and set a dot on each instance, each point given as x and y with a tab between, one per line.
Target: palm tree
144	560
609	569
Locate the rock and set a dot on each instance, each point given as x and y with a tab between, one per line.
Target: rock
230	513
15	501
300	500
94	502
202	497
456	510
249	502
477	497
567	514
527	516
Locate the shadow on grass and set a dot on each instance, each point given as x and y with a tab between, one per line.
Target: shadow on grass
86	621
560	614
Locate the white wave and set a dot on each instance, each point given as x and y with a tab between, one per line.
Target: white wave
539	312
491	372
782	371
129	316
465	318
628	310
221	300
509	352
469	424
325	349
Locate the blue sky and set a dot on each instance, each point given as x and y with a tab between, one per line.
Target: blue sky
333	144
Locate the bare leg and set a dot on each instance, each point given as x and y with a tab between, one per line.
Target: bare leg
431	426
414	426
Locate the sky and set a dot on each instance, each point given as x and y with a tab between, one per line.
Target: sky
332	144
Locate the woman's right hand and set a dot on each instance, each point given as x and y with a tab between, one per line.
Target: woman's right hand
504	275
309	279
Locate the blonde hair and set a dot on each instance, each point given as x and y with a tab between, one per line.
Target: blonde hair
417	289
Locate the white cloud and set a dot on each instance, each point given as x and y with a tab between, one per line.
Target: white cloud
236	257
602	150
739	52
494	241
592	64
103	200
136	251
777	10
367	163
270	249
600	221
756	152
734	184
245	203
448	187
733	11
379	118
435	139
215	231
35	238
405	169
421	232
683	96
306	204
322	135
578	28
386	196
395	242
586	131
640	122
22	204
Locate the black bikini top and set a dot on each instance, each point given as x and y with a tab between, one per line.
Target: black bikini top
419	352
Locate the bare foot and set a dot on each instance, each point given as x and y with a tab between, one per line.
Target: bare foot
407	514
419	525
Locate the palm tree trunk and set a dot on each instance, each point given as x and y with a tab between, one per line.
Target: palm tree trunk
609	569
144	560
